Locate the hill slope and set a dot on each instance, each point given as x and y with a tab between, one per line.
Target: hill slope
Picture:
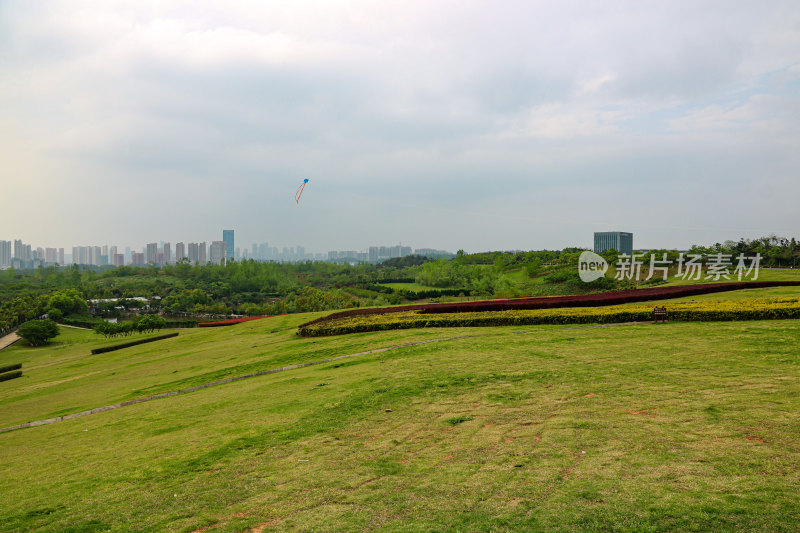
661	427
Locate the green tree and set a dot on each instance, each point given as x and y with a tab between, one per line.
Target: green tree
38	332
68	301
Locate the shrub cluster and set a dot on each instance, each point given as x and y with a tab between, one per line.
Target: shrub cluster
114	347
432	293
38	332
141	324
702	311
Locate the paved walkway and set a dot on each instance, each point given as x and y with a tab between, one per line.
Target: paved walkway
8	340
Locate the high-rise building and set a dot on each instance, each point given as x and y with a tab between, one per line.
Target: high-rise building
137	258
50	255
202	253
150	252
618	240
96	253
5	253
227	237
118	260
217	252
167	256
60	256
22	251
180	251
82	255
194	252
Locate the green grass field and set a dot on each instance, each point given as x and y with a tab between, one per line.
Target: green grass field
764	274
662	427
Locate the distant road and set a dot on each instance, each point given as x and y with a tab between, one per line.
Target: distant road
8	340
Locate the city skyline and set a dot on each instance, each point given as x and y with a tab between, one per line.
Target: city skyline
202	252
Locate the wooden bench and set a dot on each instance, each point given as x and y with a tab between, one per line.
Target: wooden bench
660	313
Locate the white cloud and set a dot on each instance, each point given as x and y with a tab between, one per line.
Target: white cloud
437	102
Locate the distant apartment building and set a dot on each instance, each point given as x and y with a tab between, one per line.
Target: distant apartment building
227	238
194	252
88	255
167	253
202	254
22	251
137	259
118	260
51	255
80	255
217	252
5	253
180	251
61	256
617	240
150	252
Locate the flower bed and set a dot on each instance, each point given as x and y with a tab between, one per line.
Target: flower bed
554	302
231	321
755	309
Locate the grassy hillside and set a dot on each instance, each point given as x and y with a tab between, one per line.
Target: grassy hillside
677	426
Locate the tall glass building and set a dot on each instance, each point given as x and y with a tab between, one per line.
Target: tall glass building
227	237
618	240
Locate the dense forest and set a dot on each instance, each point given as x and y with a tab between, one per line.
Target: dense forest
259	288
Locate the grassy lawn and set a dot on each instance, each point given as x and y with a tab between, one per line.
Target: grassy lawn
667	427
745	294
764	274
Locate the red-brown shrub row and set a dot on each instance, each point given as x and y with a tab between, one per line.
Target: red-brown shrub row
231	321
552	302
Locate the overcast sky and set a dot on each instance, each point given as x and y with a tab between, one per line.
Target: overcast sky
443	124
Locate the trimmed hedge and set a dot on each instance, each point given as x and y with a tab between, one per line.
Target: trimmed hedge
763	309
9	368
10	375
120	346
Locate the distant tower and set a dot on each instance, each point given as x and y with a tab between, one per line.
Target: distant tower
227	237
618	240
